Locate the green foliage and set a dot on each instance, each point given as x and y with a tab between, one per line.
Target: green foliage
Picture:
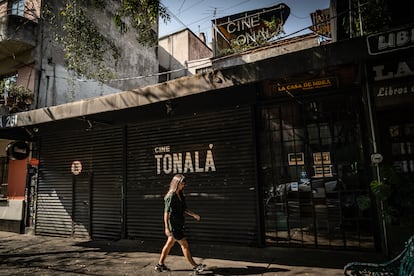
364	202
87	51
274	26
396	191
141	15
374	15
381	190
16	98
85	47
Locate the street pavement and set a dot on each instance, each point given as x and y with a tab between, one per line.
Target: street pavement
26	254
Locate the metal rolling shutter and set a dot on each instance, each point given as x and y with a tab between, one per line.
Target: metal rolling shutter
88	204
107	184
225	198
55	190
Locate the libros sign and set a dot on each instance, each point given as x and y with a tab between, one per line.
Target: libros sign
249	28
391	41
393	83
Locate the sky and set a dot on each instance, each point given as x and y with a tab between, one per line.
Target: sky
197	15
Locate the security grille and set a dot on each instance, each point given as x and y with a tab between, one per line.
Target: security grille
312	169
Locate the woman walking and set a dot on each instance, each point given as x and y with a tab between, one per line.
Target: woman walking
174	210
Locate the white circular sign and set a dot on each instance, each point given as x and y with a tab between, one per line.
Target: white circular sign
76	167
376	158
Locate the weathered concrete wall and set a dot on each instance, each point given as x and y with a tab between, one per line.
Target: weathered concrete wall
3	145
11	210
11	215
198	49
27	76
202	65
177	50
262	53
135	67
173	53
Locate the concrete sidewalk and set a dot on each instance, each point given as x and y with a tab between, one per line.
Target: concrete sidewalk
40	255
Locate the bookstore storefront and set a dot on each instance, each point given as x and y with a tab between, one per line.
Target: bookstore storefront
313	165
391	78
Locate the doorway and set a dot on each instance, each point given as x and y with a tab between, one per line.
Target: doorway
81	205
396	144
313	174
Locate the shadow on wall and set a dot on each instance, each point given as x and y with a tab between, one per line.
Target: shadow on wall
170	68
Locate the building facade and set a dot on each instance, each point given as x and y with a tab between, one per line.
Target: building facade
275	154
270	159
182	54
34	74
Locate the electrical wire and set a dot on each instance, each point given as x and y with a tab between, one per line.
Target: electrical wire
182	4
186	68
150	75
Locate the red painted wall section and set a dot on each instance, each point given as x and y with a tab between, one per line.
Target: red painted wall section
17	179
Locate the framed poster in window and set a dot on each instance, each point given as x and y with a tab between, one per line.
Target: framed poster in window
322	171
296	158
320	158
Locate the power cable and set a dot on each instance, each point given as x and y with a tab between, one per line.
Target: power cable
150	75
182	4
195	4
175	17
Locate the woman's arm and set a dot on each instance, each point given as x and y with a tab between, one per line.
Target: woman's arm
166	224
192	214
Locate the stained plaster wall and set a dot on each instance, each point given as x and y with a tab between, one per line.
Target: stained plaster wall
135	67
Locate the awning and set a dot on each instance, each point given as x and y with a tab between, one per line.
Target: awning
20	125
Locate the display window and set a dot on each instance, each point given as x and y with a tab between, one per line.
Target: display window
313	174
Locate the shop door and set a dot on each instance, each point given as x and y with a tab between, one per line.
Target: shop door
81	205
312	172
396	144
88	203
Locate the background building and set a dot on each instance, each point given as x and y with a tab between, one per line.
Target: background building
182	54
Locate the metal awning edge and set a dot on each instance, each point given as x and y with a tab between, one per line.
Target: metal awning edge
122	100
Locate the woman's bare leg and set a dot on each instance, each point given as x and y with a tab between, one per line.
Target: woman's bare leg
186	251
166	249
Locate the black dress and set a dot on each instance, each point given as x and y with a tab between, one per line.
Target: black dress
176	208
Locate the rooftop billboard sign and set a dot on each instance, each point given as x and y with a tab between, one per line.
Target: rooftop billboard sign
249	29
321	23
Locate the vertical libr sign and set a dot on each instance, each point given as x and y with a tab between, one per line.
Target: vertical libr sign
248	29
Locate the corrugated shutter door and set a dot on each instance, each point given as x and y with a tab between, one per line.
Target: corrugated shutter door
107	184
55	186
225	197
86	204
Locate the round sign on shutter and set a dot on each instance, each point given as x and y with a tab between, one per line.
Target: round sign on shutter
76	167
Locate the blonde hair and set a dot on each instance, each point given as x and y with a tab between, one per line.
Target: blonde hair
175	181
